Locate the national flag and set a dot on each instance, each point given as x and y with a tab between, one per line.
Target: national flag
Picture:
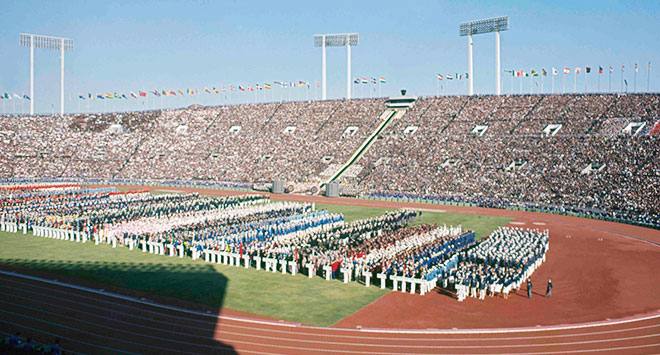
123	96
142	94
117	96
567	70
191	92
180	92
382	80
534	73
373	80
555	71
623	67
7	96
172	93
90	96
157	93
510	71
241	88
365	81
99	96
587	69
636	69
165	93
526	74
27	97
316	83
459	77
108	95
600	70
133	95
302	83
207	90
250	87
356	81
577	70
267	86
257	86
16	96
467	76
81	96
449	77
439	76
545	73
649	66
611	69
216	90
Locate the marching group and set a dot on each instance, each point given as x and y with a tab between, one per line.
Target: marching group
252	231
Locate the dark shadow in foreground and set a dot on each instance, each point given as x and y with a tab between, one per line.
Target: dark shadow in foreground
94	322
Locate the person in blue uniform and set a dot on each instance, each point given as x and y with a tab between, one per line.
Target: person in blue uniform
529	288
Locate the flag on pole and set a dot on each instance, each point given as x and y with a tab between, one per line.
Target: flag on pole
555	71
108	95
180	92
365	81
207	90
577	70
611	69
373	80
567	70
27	97
439	76
267	86
600	70
7	96
587	69
123	96
16	96
449	77
81	96
90	96
241	88
623	67
172	93
636	70
356	81
99	96
534	73
382	80
510	71
142	94
545	73
133	95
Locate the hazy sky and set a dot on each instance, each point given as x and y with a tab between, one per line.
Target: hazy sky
123	46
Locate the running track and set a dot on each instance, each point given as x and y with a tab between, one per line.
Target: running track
92	321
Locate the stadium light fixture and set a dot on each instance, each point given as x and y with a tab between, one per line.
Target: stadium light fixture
46	42
347	40
497	25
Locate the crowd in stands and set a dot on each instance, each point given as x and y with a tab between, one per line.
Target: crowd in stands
17	344
497	151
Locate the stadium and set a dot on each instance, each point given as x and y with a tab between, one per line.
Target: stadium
235	218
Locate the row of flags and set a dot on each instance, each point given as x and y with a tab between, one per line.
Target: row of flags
567	70
373	80
532	72
6	96
452	77
190	92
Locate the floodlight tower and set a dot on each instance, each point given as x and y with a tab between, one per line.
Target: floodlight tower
347	40
46	42
468	29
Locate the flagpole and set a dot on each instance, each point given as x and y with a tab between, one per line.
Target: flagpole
542	83
437	84
621	79
635	79
609	84
585	80
563	83
599	74
574	81
648	77
521	84
512	82
553	81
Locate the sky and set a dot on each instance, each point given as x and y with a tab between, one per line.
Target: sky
123	46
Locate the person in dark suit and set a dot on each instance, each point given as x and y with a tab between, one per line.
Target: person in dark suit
529	288
548	291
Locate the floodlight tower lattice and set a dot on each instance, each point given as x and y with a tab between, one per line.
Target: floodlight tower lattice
347	40
33	41
497	25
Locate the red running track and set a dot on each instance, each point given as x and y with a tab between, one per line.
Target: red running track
606	299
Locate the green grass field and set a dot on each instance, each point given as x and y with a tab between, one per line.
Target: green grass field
291	298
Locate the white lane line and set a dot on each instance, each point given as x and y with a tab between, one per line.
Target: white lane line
185	326
517	223
539	223
373	330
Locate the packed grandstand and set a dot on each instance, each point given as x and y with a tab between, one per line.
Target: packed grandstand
592	154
